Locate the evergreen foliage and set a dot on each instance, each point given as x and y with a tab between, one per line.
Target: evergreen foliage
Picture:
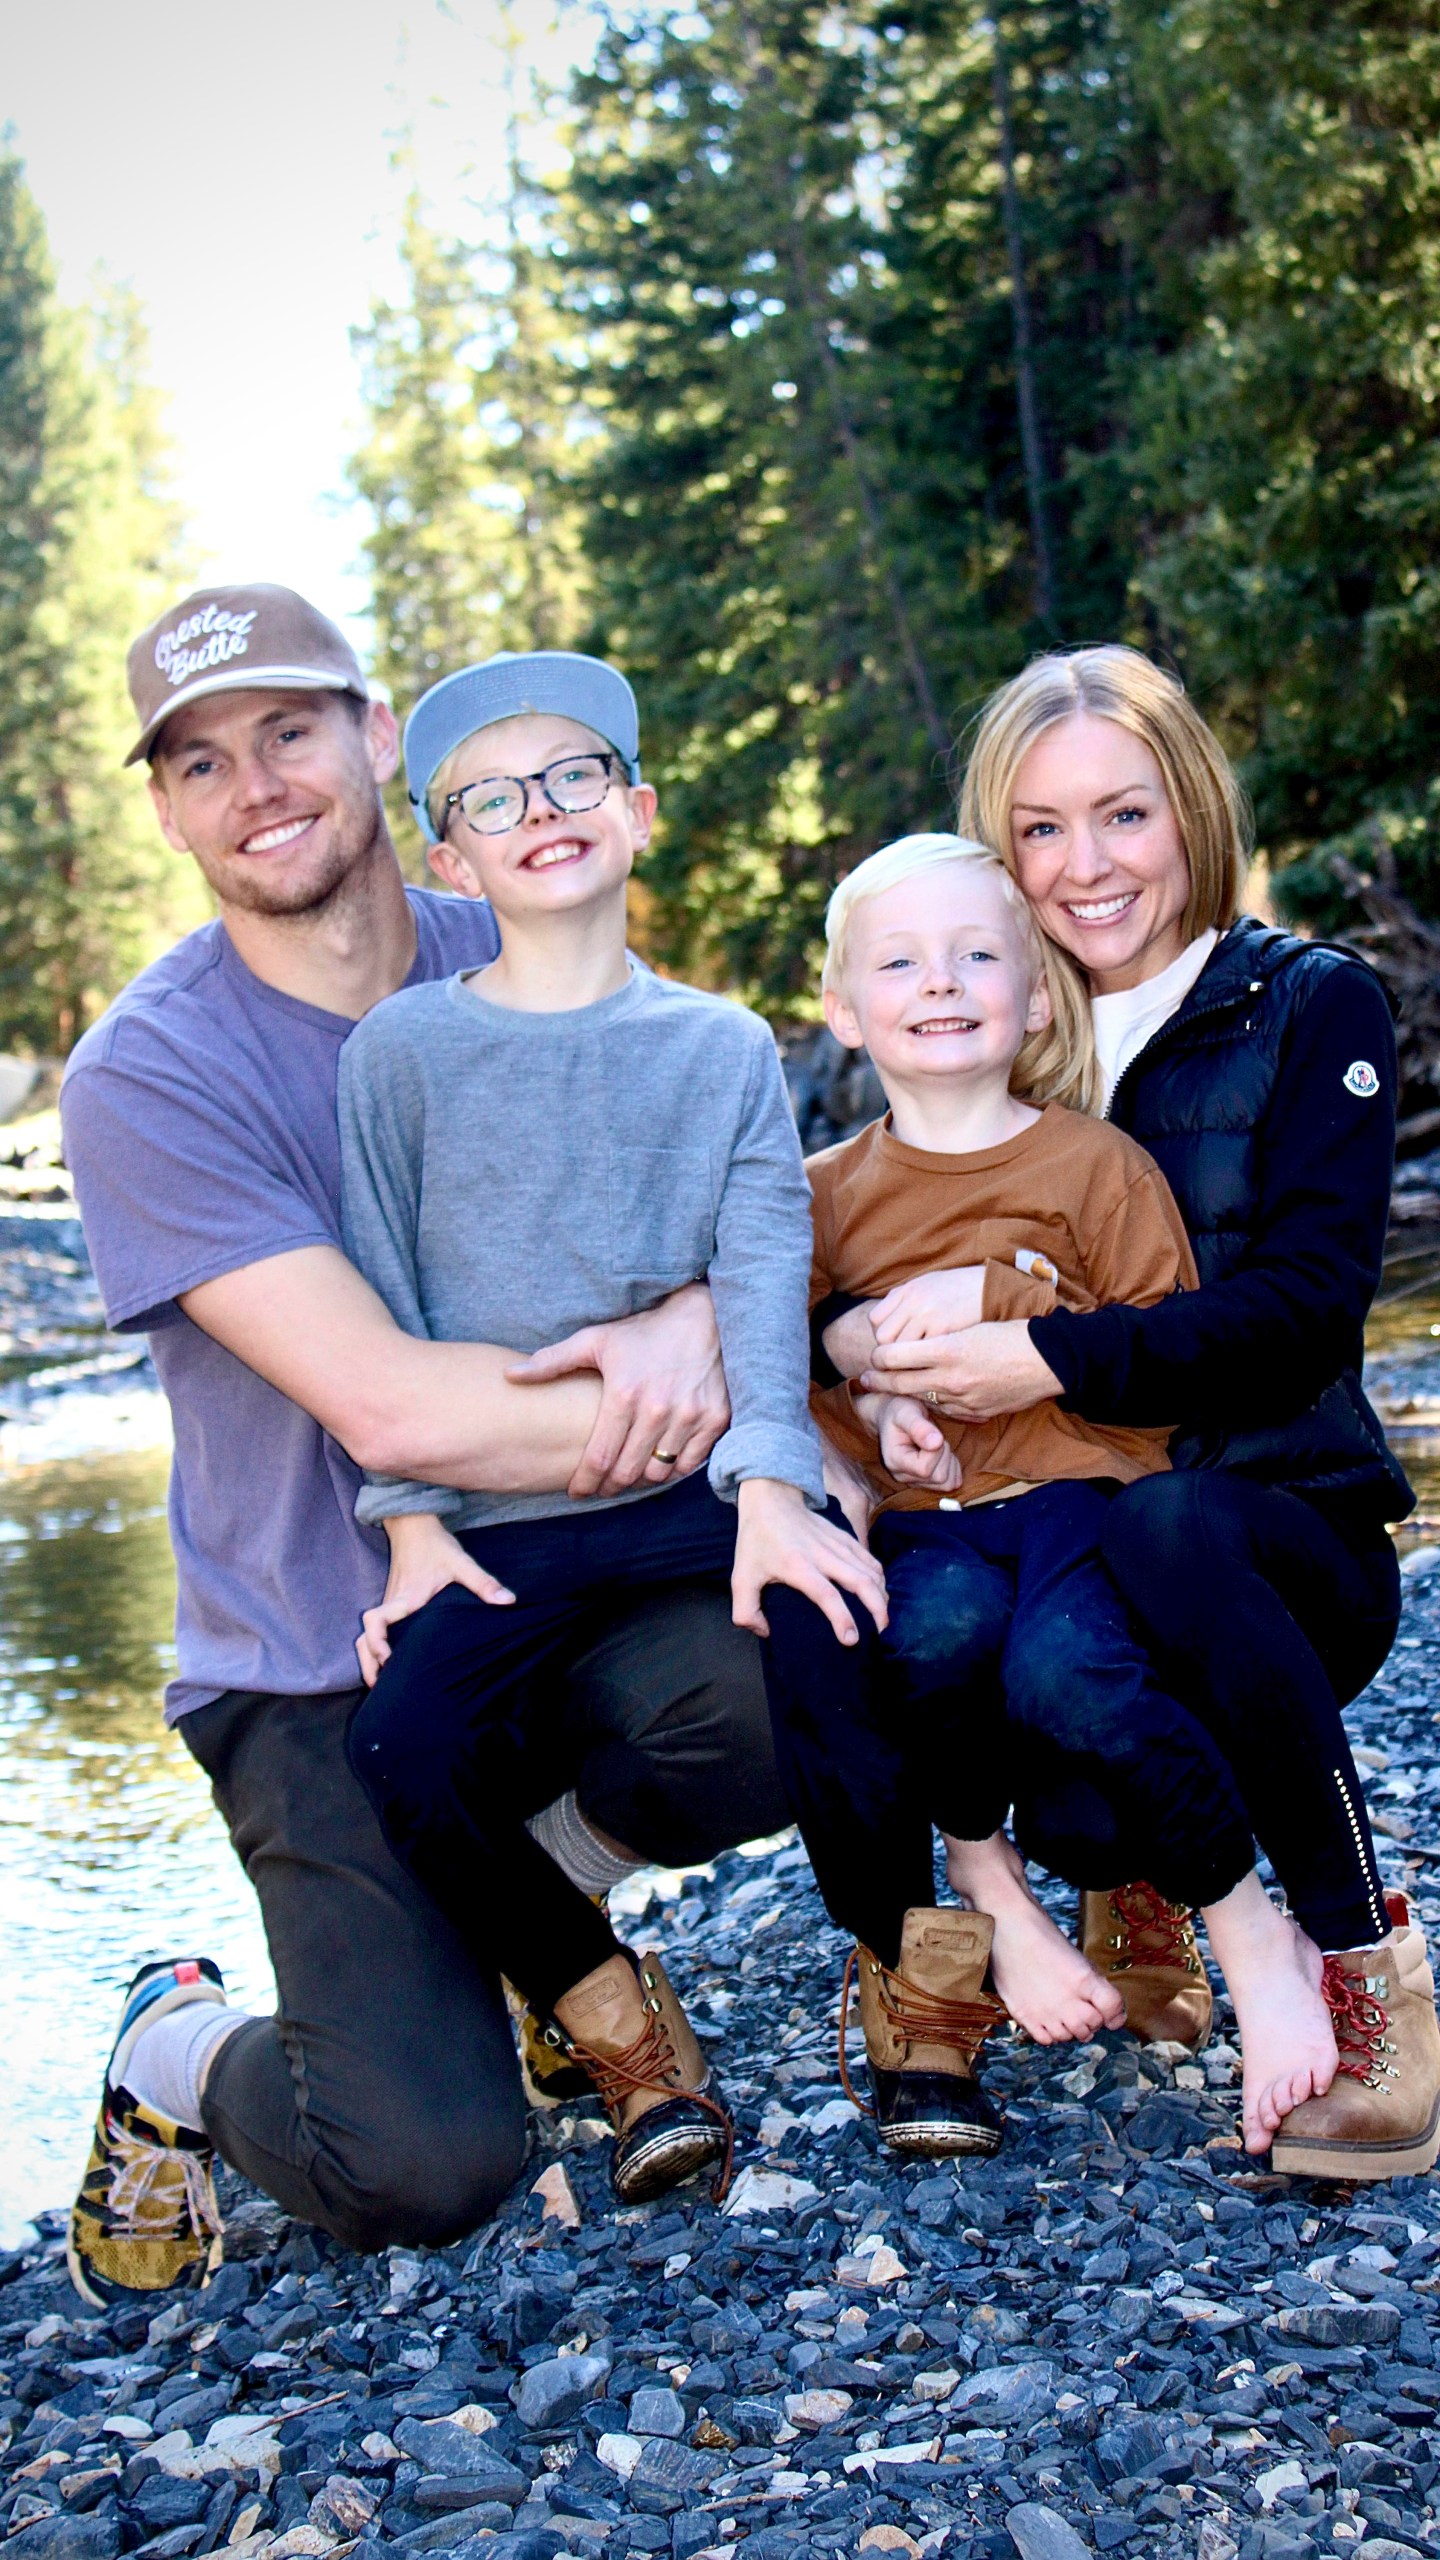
918	339
88	551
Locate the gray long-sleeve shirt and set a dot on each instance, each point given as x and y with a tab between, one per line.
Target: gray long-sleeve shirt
509	1177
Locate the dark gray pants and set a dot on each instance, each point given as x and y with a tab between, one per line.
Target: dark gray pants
383	2101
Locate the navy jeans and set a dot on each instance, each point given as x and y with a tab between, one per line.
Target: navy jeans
1009	1651
450	1744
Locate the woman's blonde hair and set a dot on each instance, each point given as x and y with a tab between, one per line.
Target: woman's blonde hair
1120	684
1053	1065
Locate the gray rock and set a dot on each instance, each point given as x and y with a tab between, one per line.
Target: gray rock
1126	2450
444	2533
453	2454
1342	2324
447	2492
657	2411
667	2476
550	2395
1039	2534
72	2538
1017	2392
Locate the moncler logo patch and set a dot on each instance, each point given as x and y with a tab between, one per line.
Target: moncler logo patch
220	636
1361	1079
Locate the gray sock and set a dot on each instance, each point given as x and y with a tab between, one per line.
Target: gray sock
565	1835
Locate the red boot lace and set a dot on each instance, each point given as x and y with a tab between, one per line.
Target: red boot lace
1159	1930
1359	2021
922	2017
649	2066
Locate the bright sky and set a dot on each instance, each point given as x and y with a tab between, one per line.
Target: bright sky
234	167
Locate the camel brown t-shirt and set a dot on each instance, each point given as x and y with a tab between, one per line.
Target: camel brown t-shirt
1069	1214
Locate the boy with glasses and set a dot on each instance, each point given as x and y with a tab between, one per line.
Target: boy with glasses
646	1142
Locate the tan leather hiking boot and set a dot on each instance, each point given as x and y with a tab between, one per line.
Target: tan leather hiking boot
924	2027
1148	1948
624	2026
1380	2117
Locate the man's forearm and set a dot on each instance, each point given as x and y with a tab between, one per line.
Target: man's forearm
850	1342
436	1412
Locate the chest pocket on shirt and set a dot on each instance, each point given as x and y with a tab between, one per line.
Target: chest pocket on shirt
662	1213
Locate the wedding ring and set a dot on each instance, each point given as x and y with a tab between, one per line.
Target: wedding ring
932	1395
665	1457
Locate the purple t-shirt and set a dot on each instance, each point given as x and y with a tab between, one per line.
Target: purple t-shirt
200	1126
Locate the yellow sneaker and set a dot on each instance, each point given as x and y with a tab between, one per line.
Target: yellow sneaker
146	2214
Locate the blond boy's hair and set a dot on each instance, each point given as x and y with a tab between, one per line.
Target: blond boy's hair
1057	1064
1120	684
442	780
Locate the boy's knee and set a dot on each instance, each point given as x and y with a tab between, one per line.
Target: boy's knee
948	1623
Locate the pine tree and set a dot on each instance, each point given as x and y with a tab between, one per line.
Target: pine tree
88	549
1293	442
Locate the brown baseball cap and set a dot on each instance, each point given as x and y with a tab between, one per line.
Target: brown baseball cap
224	638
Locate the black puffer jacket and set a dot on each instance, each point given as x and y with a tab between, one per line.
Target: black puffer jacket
1268	1101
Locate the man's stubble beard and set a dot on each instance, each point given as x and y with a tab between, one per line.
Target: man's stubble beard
341	869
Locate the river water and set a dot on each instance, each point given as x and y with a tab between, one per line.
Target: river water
108	1841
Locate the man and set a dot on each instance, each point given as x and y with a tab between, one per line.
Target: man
383	2101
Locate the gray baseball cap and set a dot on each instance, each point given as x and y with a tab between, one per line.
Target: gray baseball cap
563	681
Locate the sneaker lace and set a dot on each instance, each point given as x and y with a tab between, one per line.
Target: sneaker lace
1359	2021
135	2174
649	2067
1159	1930
921	2017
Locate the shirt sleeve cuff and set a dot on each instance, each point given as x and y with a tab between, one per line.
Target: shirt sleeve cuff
389	1497
768	1449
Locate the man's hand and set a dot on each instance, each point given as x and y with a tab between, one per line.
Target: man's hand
424	1558
782	1540
935	1302
914	1447
992	1368
663	1388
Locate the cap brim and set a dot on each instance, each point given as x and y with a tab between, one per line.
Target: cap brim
243	680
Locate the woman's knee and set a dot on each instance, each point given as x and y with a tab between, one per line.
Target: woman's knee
949	1618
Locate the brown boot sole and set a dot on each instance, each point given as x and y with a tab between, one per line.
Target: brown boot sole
1353	2160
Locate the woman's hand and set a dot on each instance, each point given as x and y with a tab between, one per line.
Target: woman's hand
935	1302
914	1447
663	1388
782	1540
990	1369
424	1559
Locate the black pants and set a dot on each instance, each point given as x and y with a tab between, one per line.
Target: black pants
446	1743
383	2101
1267	1622
1008	1649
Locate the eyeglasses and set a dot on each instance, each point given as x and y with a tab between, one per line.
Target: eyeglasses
500	802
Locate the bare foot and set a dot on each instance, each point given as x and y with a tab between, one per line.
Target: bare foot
1273	1973
1049	1988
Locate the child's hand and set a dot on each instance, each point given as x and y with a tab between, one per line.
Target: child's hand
782	1540
936	1302
424	1559
848	1484
913	1445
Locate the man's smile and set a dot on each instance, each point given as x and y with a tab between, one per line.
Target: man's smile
271	839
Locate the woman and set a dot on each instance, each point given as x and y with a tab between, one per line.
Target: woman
1259	1071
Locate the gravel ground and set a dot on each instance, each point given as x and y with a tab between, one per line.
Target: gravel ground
1120	2334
